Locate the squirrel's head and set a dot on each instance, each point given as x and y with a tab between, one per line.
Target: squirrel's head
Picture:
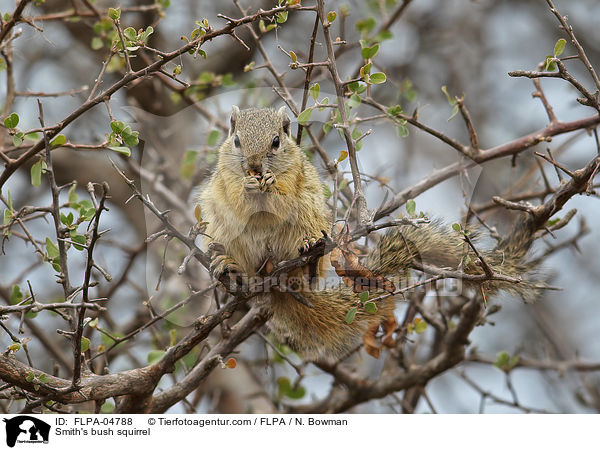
260	139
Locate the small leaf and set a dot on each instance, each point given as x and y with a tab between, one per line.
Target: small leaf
369	52
354	101
80	239
454	112
549	65
420	325
456	226
198	213
559	47
43	378
30	376
371	307
58	141
155	356
51	249
331	15
96	43
36	173
411	206
282	17
304	116
231	363
343	155
114	13
364	296
130	34
123	150
213	137
502	359
402	130
16	295
293	56
85	344
378	78
14	347
351	315
314	90
12	120
117	126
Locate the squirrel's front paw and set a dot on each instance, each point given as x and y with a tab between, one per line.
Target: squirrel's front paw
267	180
222	263
252	184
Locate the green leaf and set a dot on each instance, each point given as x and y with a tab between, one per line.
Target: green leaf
130	34
343	156
369	52
502	359
131	138
117	126
30	376
43	378
213	137
36	173
364	296
293	56
80	239
58	141
85	344
51	249
155	356
119	149
16	295
559	47
354	101
456	226
114	13
549	65
96	43
14	347
7	216
66	219
314	90
189	164
32	136
402	130
378	78
73	197
451	100
351	315
326	191
371	307
304	116
420	325
454	112
411	207
12	120
18	138
394	110
331	15
282	17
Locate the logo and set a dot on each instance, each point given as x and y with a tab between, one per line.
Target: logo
26	429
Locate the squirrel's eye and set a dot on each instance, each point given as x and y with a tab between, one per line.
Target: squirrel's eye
236	142
275	143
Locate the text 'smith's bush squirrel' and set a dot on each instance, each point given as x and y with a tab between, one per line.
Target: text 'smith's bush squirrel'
265	201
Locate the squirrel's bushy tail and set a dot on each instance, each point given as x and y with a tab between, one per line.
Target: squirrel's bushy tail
324	329
438	244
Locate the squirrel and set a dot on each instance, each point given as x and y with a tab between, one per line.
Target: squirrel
265	201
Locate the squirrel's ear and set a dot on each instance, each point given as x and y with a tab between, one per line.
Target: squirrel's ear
285	120
235	112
